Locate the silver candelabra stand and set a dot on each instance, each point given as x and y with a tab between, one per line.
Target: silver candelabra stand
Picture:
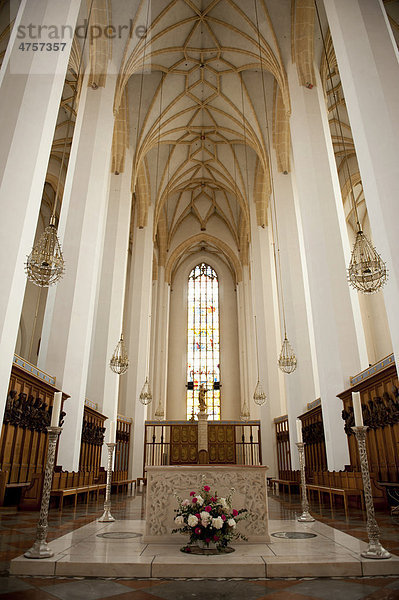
106	516
40	548
375	550
305	516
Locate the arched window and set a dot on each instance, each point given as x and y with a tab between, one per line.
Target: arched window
203	340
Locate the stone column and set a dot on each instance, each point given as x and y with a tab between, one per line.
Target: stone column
70	311
301	386
103	384
339	339
139	337
368	64
160	349
242	337
29	103
268	327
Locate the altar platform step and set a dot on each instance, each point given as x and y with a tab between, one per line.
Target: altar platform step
122	553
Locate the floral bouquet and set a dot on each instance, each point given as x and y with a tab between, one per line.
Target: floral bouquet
208	519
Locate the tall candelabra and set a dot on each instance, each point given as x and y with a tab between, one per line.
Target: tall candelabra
375	550
305	517
40	548
106	516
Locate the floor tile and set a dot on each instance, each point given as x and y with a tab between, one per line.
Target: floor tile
12	584
335	589
87	590
208	590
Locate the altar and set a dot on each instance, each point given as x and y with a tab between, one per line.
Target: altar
250	492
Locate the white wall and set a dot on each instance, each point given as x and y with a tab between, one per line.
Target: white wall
229	366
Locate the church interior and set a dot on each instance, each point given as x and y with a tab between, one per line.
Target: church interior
200	283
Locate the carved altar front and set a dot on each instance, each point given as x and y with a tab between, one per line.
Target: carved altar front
249	483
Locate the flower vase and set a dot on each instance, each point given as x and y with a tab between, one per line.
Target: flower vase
206	545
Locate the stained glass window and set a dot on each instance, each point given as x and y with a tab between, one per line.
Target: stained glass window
203	362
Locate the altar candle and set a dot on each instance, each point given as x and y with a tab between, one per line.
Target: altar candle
299	430
357	409
112	432
55	415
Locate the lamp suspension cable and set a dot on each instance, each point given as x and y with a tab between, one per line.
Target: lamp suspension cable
45	264
119	362
145	396
245	409
287	360
367	272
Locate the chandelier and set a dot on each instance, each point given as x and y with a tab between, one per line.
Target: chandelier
367	272
145	394
287	360
119	362
45	264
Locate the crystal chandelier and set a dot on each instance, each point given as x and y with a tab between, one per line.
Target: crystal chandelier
45	264
145	394
367	271
119	362
287	360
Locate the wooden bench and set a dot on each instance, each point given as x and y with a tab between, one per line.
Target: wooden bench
332	491
288	483
120	480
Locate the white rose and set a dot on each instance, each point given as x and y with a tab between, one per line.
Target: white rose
179	520
223	503
231	522
185	502
192	521
200	500
205	516
217	523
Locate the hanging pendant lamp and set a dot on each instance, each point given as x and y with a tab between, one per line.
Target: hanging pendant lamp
45	264
145	394
119	362
287	360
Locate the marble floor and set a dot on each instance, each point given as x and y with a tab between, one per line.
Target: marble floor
92	567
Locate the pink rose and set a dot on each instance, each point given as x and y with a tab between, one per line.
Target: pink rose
207	540
194	500
213	499
198	515
192	493
223	517
235	512
208	508
216	538
206	488
197	530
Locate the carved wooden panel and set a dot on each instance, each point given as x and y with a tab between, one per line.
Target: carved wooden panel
184	444
282	445
23	442
92	440
122	446
313	437
380	402
221	444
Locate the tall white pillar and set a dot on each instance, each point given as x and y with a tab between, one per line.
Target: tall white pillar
267	325
242	337
368	63
339	339
249	325
300	386
29	104
69	318
139	336
161	341
103	384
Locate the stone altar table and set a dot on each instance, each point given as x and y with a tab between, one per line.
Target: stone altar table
163	482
